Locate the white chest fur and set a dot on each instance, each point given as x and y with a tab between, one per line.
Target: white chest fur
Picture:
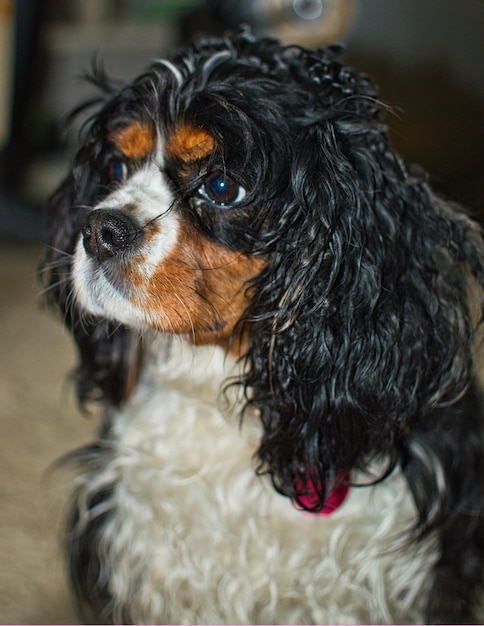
195	536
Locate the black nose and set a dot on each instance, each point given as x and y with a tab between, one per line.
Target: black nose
107	233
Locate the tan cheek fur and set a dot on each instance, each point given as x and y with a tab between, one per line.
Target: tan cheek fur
199	290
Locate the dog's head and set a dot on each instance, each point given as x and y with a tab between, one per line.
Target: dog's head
245	194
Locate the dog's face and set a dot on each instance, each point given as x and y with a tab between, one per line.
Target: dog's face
187	190
143	257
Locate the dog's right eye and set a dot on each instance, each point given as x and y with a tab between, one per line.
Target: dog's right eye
117	170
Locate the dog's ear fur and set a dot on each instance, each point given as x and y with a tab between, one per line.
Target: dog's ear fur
360	324
110	354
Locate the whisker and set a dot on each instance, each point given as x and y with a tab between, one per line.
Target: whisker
46	290
59	251
157	217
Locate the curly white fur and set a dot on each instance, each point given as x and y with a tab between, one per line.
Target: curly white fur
195	536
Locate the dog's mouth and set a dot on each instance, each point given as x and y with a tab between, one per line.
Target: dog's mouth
114	261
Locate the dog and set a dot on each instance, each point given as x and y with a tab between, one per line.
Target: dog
279	319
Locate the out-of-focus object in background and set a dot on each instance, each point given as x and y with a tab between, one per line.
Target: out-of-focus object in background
309	23
6	60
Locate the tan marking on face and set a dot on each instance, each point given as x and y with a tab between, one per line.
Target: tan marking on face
136	141
199	290
190	144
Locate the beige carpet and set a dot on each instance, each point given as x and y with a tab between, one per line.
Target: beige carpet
38	423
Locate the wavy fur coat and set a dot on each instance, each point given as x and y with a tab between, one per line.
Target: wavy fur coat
274	311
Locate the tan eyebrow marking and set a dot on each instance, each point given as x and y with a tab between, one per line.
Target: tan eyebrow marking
136	141
190	144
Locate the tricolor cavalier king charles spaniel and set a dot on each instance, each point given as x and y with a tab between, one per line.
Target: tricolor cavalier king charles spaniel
279	318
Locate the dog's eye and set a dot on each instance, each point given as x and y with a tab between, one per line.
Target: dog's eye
221	189
117	170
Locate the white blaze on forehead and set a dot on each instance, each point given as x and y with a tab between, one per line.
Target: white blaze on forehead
145	195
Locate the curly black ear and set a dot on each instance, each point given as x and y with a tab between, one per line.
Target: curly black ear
110	354
360	326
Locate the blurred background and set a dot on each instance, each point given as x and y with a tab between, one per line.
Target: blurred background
427	58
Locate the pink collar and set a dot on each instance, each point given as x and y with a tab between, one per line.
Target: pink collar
334	499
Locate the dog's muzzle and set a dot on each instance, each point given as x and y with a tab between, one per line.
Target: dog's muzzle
107	233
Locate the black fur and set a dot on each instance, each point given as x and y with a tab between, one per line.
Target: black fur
361	329
89	576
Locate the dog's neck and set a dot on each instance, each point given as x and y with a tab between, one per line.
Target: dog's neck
202	372
231	341
198	370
